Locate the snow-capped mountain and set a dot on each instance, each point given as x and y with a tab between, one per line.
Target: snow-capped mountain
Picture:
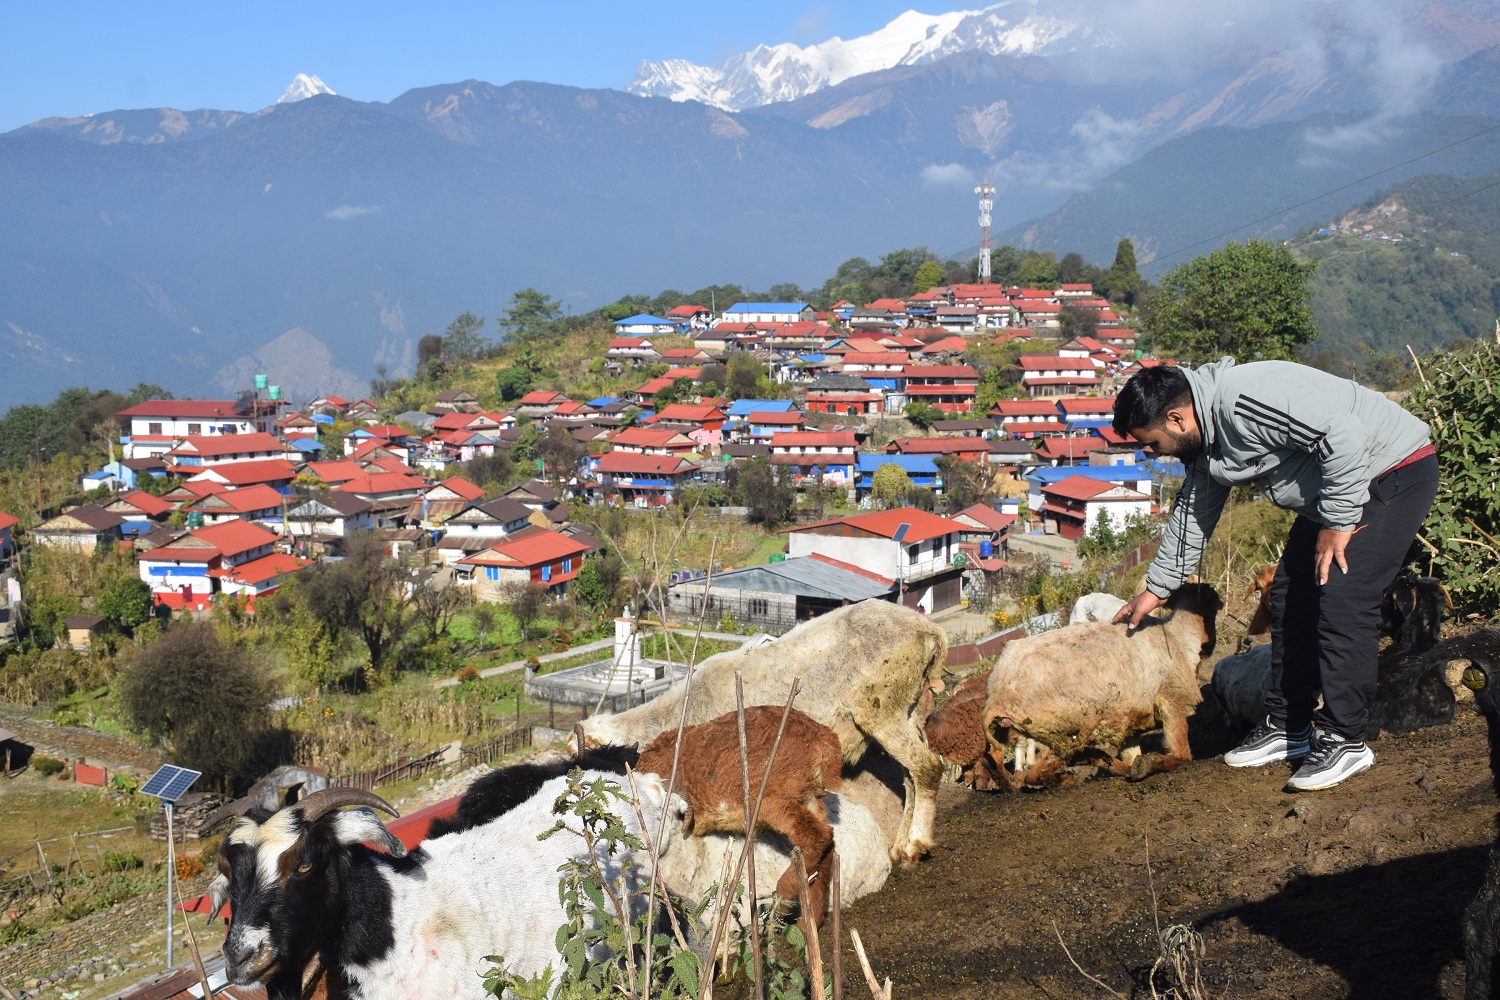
303	86
786	72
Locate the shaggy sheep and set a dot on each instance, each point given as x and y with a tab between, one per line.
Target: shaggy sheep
808	763
1096	687
866	671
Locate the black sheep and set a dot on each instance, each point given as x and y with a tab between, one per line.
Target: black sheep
1482	916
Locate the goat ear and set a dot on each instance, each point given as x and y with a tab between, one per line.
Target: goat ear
356	826
218	895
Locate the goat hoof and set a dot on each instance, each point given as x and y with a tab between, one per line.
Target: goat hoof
1142	767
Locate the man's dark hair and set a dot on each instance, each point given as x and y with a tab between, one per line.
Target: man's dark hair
1147	397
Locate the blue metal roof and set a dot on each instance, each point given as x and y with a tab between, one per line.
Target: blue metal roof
1087	423
641	318
767	307
1166	466
603	400
306	444
745	407
925	464
1046	475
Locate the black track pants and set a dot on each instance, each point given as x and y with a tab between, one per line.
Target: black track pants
1327	636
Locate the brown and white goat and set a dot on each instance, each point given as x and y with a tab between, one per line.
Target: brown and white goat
1094	688
808	763
866	671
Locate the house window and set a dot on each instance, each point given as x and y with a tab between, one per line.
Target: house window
492	572
567	565
911	553
760	606
153	428
195	428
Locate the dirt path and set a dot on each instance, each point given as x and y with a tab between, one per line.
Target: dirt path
1354	892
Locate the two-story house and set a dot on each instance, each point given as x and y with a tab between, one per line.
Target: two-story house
909	549
819	456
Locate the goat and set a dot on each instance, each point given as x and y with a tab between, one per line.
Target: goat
1095	687
865	670
808	763
1481	920
308	895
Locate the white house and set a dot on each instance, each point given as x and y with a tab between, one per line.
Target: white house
157	424
906	548
770	312
1078	503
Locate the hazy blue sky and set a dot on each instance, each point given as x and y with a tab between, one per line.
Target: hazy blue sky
67	58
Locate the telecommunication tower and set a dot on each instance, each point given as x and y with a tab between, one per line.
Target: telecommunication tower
986	193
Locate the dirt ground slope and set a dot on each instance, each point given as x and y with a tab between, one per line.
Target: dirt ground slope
1353	892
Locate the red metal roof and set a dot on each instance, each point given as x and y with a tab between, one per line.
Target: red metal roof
462	487
336	471
265	568
938	446
178	408
267	470
620	343
1087	404
791	417
540	397
652	437
1079	488
884	358
1071	447
690	412
212	445
686	310
139	499
532	550
245	499
1025	408
642	465
885	523
381	482
987	516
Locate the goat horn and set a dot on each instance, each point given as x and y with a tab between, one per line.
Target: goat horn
320	803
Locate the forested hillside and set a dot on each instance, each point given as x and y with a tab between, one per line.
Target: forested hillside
1417	264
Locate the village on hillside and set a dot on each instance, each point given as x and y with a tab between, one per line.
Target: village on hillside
263	491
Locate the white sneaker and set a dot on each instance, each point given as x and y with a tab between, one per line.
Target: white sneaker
1333	758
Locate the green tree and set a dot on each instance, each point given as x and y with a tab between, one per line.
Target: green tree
1037	270
430	348
464	338
890	484
1248	299
770	497
206	698
530	317
964	483
126	601
1074	270
743	377
1077	321
921	414
512	383
929	275
1122	282
364	595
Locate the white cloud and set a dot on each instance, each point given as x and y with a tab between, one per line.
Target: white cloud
943	174
346	212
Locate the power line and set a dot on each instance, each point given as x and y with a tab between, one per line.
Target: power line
1301	204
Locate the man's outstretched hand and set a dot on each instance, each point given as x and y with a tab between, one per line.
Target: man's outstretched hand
1138	607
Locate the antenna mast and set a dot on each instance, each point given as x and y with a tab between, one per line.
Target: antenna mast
985	192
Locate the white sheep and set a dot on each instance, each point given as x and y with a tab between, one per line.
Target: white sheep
1095	608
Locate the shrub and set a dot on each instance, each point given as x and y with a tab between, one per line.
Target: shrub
1459	400
189	866
121	861
468	674
48	766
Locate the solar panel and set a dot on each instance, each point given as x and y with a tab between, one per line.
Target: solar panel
170	782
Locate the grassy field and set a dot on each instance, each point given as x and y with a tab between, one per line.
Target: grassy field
37	808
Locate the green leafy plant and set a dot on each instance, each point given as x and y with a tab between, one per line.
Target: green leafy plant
1460	399
47	766
600	912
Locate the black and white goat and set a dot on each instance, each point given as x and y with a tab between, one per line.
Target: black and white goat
311	900
1481	650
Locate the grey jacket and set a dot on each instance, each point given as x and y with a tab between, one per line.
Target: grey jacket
1310	441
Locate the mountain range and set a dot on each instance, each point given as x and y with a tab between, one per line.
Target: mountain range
320	237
